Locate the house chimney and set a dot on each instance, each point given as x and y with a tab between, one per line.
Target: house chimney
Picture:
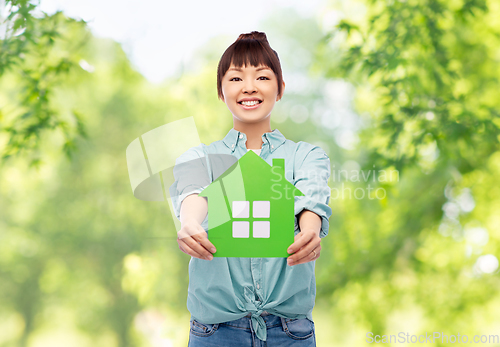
279	166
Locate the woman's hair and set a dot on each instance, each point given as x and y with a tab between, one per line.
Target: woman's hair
249	49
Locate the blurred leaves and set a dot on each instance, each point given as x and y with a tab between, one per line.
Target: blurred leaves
426	74
433	75
37	52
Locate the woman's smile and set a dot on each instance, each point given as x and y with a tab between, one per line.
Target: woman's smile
250	103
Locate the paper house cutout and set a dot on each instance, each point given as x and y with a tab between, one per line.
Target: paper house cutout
251	209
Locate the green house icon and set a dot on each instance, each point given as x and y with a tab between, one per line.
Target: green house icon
251	209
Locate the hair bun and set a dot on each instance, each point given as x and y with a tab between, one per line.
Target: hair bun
255	35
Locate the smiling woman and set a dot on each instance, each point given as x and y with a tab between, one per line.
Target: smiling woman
245	301
250	93
249	78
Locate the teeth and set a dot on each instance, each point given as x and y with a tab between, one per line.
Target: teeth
250	103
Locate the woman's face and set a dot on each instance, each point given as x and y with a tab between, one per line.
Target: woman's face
250	92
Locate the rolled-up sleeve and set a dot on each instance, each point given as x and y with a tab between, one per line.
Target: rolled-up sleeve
311	178
191	175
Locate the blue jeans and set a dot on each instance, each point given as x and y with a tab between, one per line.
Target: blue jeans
239	333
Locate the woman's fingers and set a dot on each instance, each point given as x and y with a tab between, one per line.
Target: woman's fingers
186	249
306	254
195	243
190	230
196	247
299	241
307	244
193	248
202	238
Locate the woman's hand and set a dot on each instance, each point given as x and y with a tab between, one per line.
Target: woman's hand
307	241
305	248
193	240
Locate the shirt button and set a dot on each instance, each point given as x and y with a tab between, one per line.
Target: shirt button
272	146
241	136
258	286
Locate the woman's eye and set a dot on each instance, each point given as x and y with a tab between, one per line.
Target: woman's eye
264	77
235	78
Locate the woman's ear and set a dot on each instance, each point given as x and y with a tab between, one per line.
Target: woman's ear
278	98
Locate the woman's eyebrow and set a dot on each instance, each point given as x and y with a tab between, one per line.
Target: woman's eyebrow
238	69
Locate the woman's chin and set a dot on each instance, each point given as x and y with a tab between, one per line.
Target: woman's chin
250	120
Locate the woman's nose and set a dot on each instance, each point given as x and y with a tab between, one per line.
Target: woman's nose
249	86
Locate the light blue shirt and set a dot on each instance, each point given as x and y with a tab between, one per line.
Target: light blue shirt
226	289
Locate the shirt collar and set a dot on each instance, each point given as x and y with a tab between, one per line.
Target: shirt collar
275	139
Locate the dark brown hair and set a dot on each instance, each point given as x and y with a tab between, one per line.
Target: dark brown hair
249	49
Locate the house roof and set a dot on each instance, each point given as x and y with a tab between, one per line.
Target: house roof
275	139
252	168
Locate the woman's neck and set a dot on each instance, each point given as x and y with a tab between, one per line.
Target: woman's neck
253	132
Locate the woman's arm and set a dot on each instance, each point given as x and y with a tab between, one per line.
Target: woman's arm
311	210
309	220
194	207
192	238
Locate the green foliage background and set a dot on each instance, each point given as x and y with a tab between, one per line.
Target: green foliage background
84	263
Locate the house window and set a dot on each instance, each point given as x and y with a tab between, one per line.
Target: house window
261	225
